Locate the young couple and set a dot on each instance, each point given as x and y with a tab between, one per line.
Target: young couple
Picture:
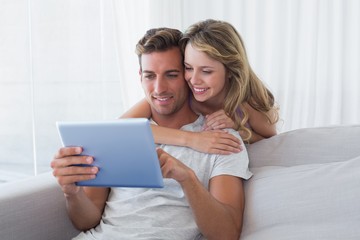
224	89
203	195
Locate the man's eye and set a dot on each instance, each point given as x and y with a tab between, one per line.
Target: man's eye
149	76
173	75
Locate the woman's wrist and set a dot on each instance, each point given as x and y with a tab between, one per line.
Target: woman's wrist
187	139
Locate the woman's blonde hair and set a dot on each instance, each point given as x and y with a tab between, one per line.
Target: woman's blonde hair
221	41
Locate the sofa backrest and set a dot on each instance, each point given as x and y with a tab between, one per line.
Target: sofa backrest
307	146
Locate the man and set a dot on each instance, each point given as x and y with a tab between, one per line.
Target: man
203	194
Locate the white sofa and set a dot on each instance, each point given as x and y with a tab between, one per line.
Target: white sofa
306	185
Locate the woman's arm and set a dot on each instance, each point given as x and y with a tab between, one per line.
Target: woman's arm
215	142
260	125
139	110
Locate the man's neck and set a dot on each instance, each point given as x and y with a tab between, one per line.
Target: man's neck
176	120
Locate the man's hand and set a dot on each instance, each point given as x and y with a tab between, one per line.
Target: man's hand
85	204
172	167
67	172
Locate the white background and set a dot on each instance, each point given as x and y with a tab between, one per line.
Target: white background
75	60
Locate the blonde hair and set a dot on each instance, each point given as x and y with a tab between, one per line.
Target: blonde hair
221	41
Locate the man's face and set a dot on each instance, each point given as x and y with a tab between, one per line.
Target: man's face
162	79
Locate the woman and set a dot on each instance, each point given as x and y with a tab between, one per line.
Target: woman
224	89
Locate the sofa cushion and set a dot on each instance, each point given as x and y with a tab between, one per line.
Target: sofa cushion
312	201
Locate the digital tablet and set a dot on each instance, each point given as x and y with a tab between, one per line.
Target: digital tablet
124	150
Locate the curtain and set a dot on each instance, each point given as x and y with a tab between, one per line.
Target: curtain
75	60
307	52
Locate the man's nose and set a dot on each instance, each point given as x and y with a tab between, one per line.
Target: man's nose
160	85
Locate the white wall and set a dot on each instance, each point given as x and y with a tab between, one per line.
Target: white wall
75	60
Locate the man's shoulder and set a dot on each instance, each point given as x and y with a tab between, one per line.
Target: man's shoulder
195	126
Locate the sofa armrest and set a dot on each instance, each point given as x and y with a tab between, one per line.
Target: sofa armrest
34	208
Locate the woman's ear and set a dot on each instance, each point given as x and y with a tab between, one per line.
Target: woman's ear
227	75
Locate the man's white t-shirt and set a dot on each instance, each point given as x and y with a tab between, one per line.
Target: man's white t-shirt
151	213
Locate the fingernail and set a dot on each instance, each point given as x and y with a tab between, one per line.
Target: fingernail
88	160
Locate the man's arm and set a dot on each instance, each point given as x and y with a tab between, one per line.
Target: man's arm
85	205
218	213
84	209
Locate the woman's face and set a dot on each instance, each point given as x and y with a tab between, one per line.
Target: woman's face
206	76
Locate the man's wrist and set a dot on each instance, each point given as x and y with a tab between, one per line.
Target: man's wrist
74	195
190	180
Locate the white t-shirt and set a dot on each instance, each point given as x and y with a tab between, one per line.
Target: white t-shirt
151	213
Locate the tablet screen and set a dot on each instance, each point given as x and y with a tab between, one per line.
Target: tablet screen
123	149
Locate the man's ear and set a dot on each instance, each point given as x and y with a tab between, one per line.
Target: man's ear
140	75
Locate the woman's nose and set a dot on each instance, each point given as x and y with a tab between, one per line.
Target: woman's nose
193	78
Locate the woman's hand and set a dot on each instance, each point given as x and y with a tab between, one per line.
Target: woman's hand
218	120
214	142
